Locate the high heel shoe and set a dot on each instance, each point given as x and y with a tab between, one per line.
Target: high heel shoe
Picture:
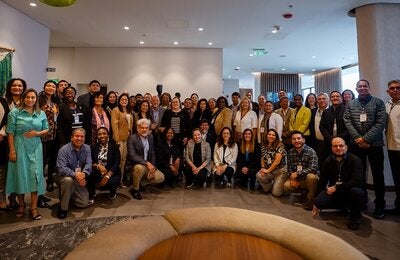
21	212
37	216
12	198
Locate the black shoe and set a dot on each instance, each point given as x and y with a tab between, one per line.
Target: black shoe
42	203
135	194
308	205
353	224
379	213
13	201
44	198
113	194
50	187
62	214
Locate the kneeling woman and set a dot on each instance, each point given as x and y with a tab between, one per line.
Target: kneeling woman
198	158
225	155
169	158
248	161
106	158
273	171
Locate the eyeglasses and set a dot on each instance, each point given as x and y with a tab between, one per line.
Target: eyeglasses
394	88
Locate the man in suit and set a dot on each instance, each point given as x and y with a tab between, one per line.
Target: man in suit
156	113
141	154
285	112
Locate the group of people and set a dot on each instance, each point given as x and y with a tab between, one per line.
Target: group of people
110	141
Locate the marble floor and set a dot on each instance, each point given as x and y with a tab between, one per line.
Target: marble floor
379	239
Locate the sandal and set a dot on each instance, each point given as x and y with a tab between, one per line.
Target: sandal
20	212
37	216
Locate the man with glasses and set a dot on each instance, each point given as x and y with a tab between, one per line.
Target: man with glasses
365	119
393	136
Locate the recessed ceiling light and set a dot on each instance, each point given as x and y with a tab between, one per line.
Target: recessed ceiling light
141	42
313	70
274	31
126	28
210	43
33	4
313	57
237	68
254	73
251	54
229	76
176	43
200	29
351	58
283	69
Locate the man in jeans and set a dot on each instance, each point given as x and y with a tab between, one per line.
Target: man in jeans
365	119
302	166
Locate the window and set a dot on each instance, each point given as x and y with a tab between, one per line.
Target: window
307	85
350	76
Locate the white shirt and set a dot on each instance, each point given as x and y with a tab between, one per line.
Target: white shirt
248	121
393	125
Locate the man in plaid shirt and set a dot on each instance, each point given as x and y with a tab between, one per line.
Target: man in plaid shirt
302	163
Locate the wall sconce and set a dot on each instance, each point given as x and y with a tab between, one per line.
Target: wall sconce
58	3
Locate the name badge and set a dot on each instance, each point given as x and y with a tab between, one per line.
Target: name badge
76	119
262	129
299	168
269	161
339	183
212	121
363	117
78	169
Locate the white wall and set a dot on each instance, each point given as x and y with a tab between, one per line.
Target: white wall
139	70
30	39
230	86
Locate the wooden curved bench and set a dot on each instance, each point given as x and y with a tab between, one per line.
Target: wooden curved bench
130	239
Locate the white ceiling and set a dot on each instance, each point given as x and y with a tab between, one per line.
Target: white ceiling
319	28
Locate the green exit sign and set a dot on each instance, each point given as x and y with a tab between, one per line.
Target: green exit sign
259	52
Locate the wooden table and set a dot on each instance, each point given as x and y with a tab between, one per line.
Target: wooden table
218	245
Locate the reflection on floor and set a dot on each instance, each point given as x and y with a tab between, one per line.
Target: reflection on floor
378	239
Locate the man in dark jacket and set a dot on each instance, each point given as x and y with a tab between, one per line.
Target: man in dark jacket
365	119
340	183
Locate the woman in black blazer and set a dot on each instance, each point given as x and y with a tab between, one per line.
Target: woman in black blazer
106	173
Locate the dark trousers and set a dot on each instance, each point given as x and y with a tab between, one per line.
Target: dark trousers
352	198
50	152
94	179
170	177
198	179
228	173
245	178
394	159
375	158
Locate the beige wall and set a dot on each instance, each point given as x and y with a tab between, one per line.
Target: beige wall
139	70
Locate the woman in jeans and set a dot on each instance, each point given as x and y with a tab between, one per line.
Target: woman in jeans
273	173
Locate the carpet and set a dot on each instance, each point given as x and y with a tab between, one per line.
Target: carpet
52	241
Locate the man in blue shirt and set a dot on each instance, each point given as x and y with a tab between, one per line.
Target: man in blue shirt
74	163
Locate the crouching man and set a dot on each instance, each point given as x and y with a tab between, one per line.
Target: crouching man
141	155
74	164
341	183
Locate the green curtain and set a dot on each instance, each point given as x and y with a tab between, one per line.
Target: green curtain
5	72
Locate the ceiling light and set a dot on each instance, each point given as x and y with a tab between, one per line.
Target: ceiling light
176	43
200	29
33	4
210	43
229	76
126	27
237	68
254	73
283	69
313	70
276	28
313	57
351	58
251	54
141	42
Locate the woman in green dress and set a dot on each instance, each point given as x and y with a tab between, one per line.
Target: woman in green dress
25	126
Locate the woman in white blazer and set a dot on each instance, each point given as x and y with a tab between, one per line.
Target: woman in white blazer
225	154
269	120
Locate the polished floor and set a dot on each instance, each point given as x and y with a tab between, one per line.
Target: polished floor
379	239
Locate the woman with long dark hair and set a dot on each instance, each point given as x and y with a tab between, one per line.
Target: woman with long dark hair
169	158
99	115
47	103
311	101
273	173
25	126
111	101
248	161
202	112
122	126
225	155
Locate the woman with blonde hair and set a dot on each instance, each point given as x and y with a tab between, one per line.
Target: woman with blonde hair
245	118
